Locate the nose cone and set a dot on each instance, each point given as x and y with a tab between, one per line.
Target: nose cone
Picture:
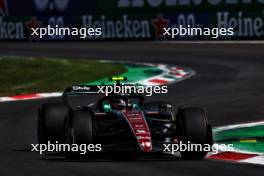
140	129
145	143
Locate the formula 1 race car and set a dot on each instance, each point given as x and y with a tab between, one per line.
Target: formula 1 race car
122	122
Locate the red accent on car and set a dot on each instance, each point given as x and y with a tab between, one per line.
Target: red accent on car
140	128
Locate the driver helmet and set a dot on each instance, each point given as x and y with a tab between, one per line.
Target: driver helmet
118	104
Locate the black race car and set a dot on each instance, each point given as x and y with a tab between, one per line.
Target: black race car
123	122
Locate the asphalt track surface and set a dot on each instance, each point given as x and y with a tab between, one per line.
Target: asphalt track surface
229	84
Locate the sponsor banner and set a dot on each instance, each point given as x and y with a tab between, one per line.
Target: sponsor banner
120	27
131	19
46	7
12	28
80	7
247	25
171	6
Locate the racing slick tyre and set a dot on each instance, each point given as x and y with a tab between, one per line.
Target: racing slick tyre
192	126
79	131
51	122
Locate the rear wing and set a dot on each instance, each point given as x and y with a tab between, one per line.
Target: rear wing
92	89
78	90
99	90
95	90
81	89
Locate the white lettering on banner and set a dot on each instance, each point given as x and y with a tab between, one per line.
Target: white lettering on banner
214	2
61	5
44	5
244	26
120	28
11	30
41	4
170	3
155	3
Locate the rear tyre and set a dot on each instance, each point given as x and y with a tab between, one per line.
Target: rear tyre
51	122
80	131
192	126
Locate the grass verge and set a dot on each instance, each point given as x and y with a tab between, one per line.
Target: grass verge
19	75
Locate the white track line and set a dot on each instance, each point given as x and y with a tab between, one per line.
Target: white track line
229	127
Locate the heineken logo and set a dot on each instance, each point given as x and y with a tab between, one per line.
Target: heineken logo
126	28
244	25
11	30
121	28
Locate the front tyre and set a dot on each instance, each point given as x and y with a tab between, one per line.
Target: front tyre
51	122
193	127
79	131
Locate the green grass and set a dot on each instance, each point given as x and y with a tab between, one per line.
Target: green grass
27	75
246	132
252	147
